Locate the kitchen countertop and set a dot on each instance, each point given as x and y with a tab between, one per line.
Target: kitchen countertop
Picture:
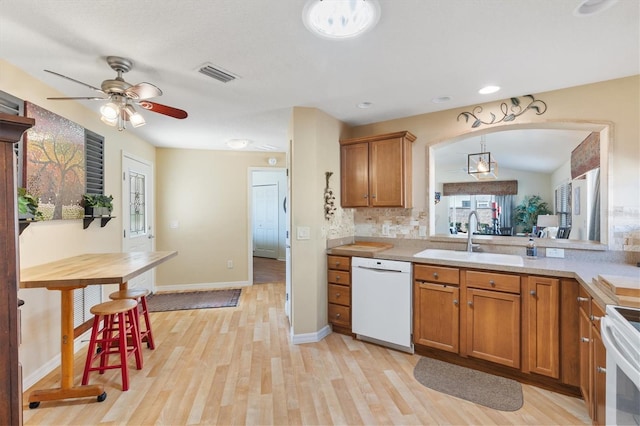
583	272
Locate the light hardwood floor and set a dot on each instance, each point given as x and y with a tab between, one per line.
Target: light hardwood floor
237	366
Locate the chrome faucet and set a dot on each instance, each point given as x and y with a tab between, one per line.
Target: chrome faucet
469	232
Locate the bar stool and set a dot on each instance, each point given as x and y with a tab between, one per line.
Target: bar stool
118	323
140	296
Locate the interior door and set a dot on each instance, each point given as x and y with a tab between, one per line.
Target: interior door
265	220
138	213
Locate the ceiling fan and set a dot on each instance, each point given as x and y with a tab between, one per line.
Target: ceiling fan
121	97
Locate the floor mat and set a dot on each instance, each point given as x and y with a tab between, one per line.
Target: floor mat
193	300
478	387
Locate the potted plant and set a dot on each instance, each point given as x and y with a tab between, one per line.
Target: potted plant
27	206
97	204
526	213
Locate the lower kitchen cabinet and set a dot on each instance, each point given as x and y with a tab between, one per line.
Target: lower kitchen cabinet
436	298
493	326
339	293
543	325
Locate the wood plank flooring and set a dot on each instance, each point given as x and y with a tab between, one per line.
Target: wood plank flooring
267	270
237	366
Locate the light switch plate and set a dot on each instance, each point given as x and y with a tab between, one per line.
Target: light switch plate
555	252
303	232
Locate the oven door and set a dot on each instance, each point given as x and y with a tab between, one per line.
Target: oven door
623	376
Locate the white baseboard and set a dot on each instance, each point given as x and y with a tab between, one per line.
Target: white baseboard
298	339
201	286
33	378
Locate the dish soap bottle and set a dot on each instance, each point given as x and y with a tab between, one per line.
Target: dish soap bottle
532	250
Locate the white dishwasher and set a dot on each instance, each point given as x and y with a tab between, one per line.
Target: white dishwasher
381	308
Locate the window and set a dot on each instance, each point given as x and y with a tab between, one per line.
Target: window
563	204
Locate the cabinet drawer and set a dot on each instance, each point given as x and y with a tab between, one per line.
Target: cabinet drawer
436	274
493	281
339	277
342	263
340	294
339	315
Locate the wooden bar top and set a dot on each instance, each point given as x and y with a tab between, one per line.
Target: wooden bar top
91	269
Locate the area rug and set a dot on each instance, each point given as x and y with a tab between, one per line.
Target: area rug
475	386
193	300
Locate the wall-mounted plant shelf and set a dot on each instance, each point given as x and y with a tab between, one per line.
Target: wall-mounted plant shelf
86	221
22	225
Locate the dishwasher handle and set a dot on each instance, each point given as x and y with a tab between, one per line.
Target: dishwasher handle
368	268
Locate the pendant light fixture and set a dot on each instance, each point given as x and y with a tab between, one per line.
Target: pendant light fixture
481	165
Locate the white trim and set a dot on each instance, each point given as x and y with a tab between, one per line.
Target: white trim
54	363
298	339
202	286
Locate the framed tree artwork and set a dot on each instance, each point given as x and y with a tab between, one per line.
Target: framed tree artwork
55	164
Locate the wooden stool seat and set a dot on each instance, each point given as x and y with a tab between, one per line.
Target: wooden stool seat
140	296
118	319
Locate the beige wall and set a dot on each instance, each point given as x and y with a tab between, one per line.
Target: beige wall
315	151
207	194
616	102
52	240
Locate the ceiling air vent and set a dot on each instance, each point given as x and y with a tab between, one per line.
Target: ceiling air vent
217	73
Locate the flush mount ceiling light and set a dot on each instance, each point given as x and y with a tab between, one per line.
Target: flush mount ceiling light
364	105
591	7
486	90
238	143
481	165
441	99
340	19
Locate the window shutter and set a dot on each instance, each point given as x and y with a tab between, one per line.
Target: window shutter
94	162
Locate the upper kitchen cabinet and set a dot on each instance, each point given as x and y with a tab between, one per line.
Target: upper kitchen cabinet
375	171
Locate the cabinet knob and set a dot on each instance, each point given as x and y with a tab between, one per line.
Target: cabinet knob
492	282
337	295
583	299
373	196
337	277
338	263
470	303
366	196
435	275
532	292
337	315
455	302
601	370
585	339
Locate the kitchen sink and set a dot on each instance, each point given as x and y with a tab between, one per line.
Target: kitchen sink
474	257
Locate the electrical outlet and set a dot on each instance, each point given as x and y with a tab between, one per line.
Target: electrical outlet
555	252
229	264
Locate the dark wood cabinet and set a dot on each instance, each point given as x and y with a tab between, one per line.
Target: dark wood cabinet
11	129
339	293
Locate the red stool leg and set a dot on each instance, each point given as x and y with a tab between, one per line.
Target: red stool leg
92	349
147	333
123	351
135	338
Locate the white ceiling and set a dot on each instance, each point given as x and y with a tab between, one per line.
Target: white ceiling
420	49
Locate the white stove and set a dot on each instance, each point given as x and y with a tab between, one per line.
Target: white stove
621	336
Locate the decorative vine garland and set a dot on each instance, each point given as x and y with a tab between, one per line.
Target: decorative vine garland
329	199
508	113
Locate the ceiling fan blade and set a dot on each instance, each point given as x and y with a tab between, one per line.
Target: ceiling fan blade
143	91
86	98
163	109
75	81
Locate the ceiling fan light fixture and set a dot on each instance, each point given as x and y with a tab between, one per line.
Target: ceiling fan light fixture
110	121
340	19
238	143
134	117
110	111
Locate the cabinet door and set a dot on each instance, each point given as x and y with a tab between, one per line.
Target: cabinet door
387	169
493	326
436	316
599	377
354	175
543	332
585	359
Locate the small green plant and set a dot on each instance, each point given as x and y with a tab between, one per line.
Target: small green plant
97	204
28	205
526	213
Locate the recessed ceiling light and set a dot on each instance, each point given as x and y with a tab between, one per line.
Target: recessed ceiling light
238	143
488	89
441	99
364	105
340	19
591	7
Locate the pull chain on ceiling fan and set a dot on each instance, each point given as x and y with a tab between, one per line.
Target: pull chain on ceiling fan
122	96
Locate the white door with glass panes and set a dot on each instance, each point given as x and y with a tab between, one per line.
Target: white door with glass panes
137	212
